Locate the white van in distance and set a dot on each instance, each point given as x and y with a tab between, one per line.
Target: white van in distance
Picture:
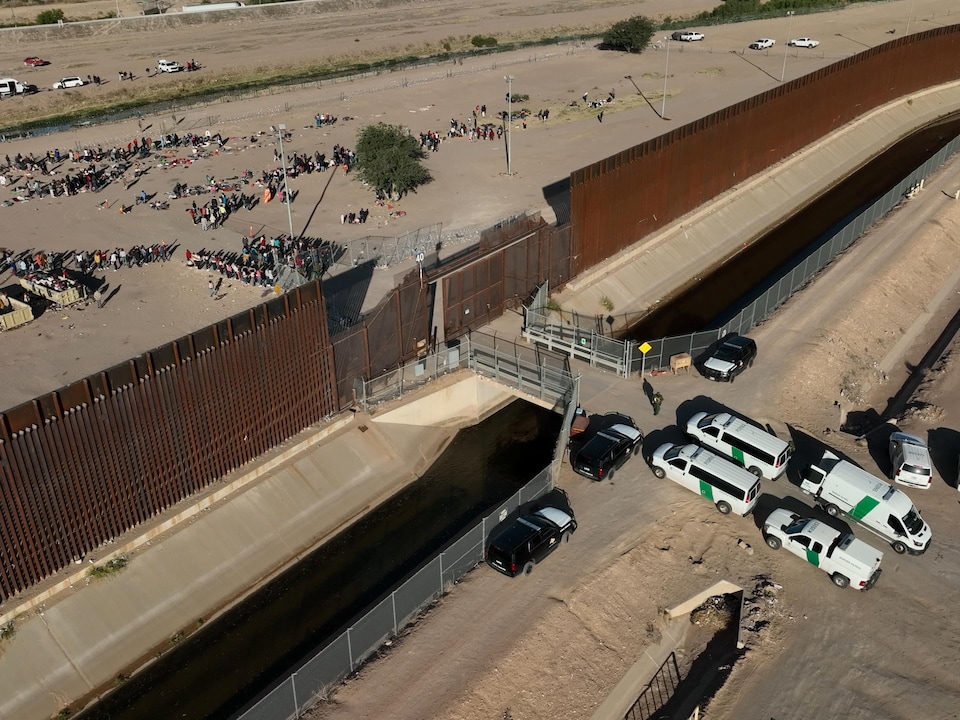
763	454
841	487
729	487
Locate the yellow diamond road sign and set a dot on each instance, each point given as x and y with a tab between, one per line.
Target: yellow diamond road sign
646	347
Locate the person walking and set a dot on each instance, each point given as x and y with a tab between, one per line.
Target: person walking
211	287
98	298
656	401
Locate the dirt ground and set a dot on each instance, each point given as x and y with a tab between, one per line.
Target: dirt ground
555	644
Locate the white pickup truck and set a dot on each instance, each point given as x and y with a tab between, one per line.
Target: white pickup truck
845	559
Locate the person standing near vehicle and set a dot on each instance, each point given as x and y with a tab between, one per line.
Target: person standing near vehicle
656	401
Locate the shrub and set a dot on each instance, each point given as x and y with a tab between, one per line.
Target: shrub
481	41
50	17
631	35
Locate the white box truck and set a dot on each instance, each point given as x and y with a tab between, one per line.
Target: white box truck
845	559
840	487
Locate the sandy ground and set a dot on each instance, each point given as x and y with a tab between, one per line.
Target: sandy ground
471	188
555	644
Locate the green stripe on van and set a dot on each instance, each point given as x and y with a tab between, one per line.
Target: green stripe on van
863	507
706	490
738	455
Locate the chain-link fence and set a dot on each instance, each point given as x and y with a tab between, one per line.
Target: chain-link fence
625	357
312	682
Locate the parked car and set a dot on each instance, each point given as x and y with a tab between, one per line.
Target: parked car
733	355
687	36
168	66
529	540
762	44
35	62
910	461
606	451
804	42
68	82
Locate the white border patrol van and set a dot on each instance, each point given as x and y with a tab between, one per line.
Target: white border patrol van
841	487
763	454
729	487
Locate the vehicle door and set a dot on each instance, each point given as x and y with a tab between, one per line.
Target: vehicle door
540	544
679	473
805	547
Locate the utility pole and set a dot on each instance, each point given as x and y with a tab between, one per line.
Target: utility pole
281	129
507	124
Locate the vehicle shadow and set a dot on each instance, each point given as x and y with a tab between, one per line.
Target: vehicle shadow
944	445
767	503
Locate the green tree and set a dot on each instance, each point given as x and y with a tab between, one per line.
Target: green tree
389	159
50	17
631	35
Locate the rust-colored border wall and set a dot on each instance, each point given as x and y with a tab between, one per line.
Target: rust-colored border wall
501	271
620	200
142	436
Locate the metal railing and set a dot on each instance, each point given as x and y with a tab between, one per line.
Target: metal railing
540	375
625	357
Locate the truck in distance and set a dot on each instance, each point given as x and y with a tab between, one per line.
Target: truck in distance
847	560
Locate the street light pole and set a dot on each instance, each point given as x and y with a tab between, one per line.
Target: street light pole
281	129
509	122
910	16
666	73
786	46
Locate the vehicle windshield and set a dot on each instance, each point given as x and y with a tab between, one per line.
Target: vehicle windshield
916	470
707	421
796	526
913	521
727	352
673	452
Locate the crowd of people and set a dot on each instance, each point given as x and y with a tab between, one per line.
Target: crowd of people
260	260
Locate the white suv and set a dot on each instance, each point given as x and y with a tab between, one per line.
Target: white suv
68	82
168	66
762	44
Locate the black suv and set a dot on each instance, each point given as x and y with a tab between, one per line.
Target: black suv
529	540
733	355
610	448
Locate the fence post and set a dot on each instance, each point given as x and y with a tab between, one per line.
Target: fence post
350	650
440	558
296	705
393	601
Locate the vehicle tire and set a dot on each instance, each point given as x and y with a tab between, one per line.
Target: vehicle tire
756	471
610	475
659	472
528	567
839	580
899	548
832	510
773	542
724	507
565	538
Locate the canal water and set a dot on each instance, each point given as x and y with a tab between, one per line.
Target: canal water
722	293
218	670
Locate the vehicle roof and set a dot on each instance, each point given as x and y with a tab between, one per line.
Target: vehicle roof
741	428
871	486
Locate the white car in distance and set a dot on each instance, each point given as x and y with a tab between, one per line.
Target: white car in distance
804	42
68	82
762	44
168	66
